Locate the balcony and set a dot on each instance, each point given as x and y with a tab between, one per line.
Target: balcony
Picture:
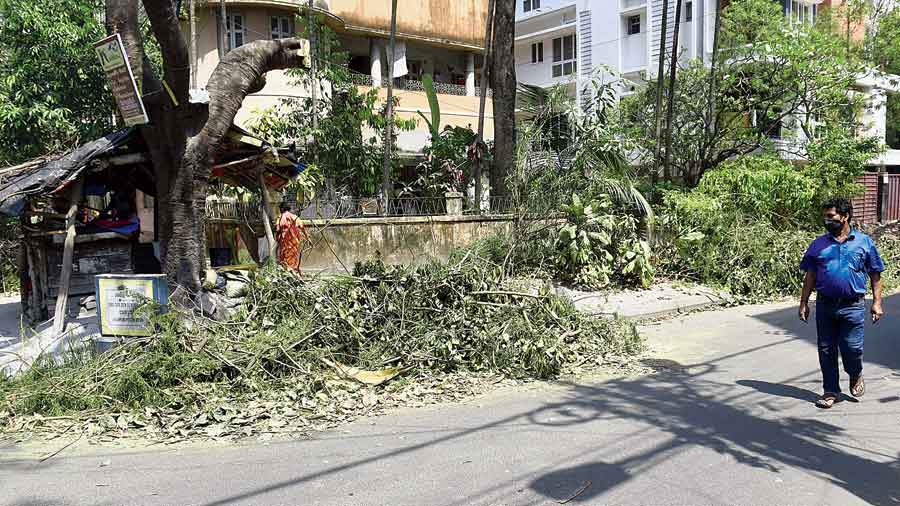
406	84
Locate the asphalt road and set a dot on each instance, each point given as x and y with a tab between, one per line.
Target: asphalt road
730	421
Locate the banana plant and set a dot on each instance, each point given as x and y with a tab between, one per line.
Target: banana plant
435	123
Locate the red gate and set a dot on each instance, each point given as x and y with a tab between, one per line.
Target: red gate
865	207
892	198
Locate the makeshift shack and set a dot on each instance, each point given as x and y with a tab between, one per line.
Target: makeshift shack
93	211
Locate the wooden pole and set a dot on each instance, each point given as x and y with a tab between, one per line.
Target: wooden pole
660	80
673	67
223	27
314	82
389	112
193	15
313	69
711	121
62	299
267	216
485	74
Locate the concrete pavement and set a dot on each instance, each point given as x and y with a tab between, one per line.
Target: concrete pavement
727	420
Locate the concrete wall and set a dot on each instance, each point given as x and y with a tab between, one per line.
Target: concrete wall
413	240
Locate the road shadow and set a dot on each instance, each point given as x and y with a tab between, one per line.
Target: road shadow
881	344
780	390
579	484
678	406
698	406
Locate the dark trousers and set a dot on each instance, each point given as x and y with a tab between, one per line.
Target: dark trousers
840	325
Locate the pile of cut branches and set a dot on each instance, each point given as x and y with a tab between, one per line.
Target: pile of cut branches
294	342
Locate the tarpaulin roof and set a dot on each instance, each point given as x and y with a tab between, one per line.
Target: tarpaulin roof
44	176
41	177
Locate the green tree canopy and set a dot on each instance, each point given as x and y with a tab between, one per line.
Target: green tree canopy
775	80
51	86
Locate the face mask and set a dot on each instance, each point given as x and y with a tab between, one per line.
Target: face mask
834	226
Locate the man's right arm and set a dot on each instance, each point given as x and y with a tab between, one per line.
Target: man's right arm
809	282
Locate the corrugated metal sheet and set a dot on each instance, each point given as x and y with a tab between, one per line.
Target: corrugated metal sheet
892	196
865	208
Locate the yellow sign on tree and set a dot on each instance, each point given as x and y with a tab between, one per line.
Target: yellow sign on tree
121	79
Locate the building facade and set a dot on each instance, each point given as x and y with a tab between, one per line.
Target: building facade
566	42
443	38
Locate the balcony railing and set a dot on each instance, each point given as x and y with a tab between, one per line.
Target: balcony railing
407	84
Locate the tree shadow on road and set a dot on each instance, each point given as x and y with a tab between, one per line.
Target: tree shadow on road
697	411
674	404
780	390
579	483
881	344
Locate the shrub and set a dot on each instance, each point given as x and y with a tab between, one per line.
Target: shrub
747	258
597	246
762	188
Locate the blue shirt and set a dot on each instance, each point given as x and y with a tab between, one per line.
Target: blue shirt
842	269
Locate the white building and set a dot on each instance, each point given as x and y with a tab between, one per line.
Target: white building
566	41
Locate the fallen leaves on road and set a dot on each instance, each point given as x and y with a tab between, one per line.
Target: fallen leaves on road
275	414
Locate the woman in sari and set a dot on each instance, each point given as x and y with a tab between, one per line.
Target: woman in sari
290	234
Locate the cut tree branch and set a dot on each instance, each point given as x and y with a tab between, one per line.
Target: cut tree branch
239	74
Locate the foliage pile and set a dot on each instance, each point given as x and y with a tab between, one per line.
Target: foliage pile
597	246
434	320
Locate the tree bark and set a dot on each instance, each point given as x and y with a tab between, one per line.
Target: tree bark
670	110
389	114
503	72
660	80
183	138
485	77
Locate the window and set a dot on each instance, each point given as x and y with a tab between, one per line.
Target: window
799	12
634	25
688	12
282	27
236	30
531	5
564	56
537	52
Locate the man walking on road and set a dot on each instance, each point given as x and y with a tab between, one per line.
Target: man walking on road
837	265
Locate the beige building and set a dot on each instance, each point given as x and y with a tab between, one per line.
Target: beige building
439	37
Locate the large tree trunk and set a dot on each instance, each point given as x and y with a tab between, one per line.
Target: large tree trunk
184	138
503	73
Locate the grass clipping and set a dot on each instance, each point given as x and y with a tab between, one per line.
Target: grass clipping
280	364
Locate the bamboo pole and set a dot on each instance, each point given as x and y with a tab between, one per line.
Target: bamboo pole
313	70
485	73
660	80
192	12
673	68
62	299
267	216
223	27
389	113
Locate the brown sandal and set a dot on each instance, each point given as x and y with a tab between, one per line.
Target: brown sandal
857	386
827	400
